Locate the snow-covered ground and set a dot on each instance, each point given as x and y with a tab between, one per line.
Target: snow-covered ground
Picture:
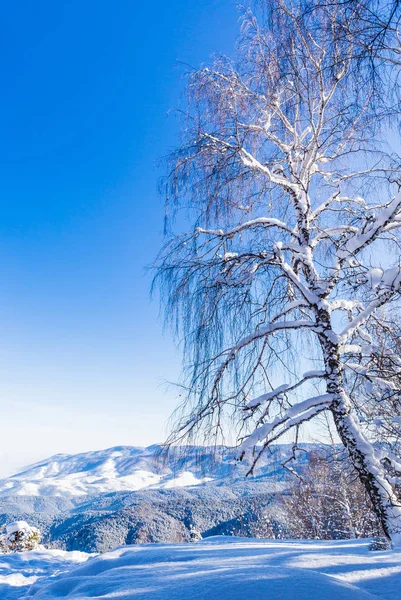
220	567
19	571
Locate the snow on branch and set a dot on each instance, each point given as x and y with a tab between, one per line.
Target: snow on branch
249	161
304	290
330	232
264	398
350	349
336	198
389	283
342	304
252	163
373	227
265	222
295	305
386	455
294	416
256	402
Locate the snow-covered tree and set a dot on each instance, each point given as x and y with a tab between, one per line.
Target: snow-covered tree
329	502
287	287
19	537
194	534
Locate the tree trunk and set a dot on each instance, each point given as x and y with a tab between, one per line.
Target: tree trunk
370	470
361	452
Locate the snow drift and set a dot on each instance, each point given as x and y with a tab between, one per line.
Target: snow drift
231	569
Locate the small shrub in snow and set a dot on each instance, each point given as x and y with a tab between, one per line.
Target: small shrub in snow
19	537
195	535
380	543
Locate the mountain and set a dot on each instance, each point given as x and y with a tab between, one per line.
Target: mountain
95	501
128	468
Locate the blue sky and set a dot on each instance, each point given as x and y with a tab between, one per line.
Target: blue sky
86	87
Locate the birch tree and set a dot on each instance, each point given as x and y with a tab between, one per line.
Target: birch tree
290	182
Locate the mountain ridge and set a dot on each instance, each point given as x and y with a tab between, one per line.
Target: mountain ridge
133	468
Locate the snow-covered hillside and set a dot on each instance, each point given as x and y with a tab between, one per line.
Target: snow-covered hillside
224	568
115	469
127	468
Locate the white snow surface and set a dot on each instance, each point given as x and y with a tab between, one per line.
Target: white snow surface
220	567
18	526
122	468
20	570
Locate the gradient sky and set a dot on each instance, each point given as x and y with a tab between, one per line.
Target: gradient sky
86	87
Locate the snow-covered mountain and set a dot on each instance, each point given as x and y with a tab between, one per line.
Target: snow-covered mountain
116	469
96	501
127	468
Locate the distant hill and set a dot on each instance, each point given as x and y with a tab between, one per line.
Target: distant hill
129	468
126	495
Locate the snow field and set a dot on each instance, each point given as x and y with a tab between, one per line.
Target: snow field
20	570
221	568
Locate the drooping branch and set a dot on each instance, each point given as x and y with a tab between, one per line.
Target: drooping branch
287	172
294	416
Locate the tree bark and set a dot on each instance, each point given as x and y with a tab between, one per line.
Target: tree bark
361	451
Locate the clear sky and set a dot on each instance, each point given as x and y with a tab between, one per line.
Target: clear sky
86	87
